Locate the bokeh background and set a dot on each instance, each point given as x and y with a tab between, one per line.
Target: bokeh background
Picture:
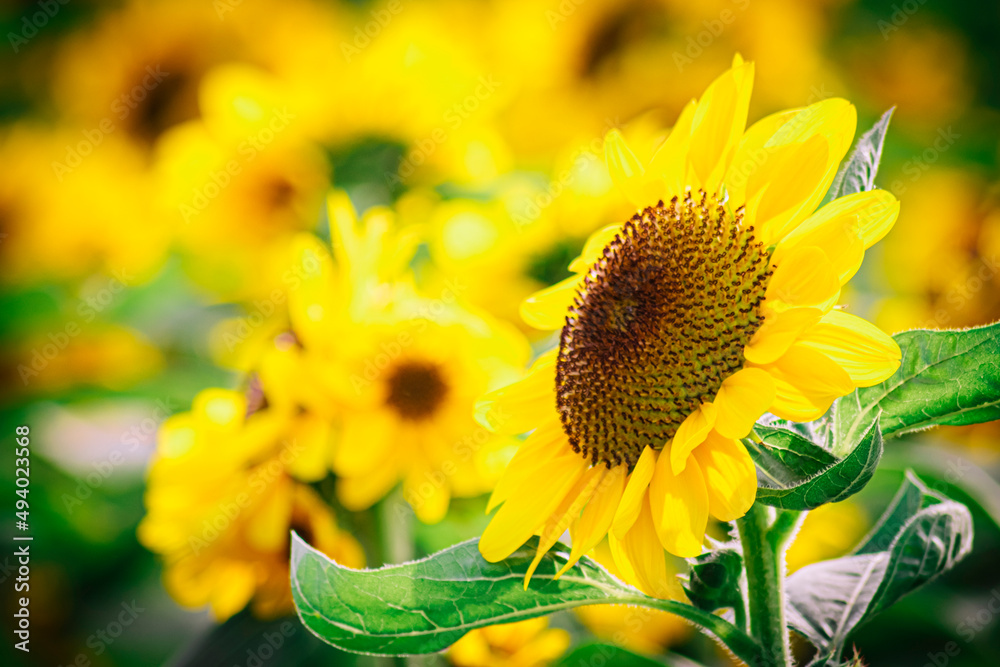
159	161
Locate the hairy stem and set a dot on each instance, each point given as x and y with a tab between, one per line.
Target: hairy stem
764	543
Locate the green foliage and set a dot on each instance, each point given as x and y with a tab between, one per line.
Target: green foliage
801	475
426	605
945	377
714	581
920	536
605	654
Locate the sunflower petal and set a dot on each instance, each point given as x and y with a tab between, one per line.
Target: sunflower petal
626	170
863	350
806	383
804	279
690	434
638	480
730	477
681	523
594	523
646	561
522	405
547	309
743	397
718	124
779	330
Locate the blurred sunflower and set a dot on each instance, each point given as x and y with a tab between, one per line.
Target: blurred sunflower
682	327
396	373
222	495
530	643
829	531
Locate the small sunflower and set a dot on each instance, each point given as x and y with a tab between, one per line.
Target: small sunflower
396	373
530	643
223	493
712	305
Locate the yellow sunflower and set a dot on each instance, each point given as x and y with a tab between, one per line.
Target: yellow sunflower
222	495
530	643
712	305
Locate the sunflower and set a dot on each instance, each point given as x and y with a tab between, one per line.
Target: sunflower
712	305
224	490
530	643
396	373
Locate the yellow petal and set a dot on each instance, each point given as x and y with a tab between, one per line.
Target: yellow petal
646	561
547	309
593	250
360	493
804	279
365	442
780	329
683	518
594	523
537	451
743	397
690	434
730	477
635	488
806	383
752	156
526	510
427	493
844	228
626	170
791	194
718	125
669	163
525	404
863	350
566	515
310	446
269	528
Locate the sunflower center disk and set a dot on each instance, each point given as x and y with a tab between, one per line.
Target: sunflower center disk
658	323
416	390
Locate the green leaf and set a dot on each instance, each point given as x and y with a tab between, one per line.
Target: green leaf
805	475
828	600
590	655
945	378
857	173
714	580
427	605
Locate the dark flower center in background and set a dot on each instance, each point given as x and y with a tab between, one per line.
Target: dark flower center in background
416	389
659	322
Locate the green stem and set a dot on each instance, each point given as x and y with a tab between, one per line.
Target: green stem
764	545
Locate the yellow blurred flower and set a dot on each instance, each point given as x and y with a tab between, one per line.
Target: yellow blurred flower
530	643
223	494
61	217
76	353
944	274
758	333
828	531
397	373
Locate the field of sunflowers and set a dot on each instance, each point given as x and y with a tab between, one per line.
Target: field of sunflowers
500	333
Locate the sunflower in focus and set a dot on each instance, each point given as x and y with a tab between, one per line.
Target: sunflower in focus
681	327
225	539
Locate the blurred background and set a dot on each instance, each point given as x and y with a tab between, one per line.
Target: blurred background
164	175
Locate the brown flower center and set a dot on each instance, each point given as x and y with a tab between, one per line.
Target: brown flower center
659	322
416	389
